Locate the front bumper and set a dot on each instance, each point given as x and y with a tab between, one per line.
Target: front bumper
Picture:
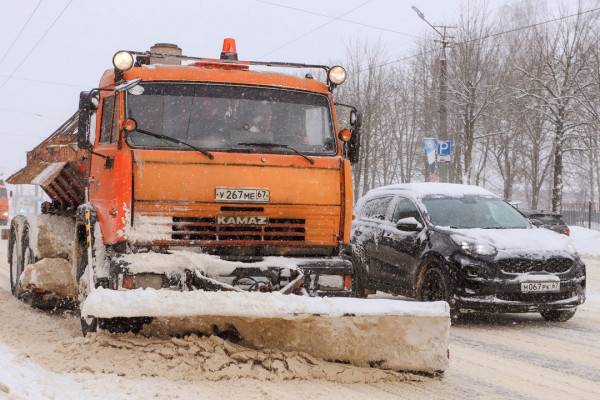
495	291
330	276
521	303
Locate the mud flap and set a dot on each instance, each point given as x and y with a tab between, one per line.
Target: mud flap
390	334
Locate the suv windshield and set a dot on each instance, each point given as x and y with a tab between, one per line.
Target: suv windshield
218	117
473	212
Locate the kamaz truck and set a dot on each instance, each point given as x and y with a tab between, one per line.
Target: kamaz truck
213	196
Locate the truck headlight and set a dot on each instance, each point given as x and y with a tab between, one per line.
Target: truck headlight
337	75
5	214
123	60
474	247
331	282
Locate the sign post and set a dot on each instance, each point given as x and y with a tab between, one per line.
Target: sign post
436	152
430	149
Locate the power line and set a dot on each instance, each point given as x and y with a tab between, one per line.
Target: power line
30	52
11	110
379	28
521	28
316	28
45	82
20	32
530	26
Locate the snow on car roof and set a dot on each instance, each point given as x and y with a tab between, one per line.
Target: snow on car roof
426	189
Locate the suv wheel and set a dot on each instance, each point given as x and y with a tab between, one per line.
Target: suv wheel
437	285
558	315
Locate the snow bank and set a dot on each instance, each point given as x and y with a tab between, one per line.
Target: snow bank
586	241
194	359
105	303
23	379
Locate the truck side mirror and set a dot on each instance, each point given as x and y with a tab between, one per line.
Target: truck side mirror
85	114
354	143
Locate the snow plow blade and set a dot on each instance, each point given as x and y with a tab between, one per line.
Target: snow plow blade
388	334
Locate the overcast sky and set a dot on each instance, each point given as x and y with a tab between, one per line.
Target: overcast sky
49	71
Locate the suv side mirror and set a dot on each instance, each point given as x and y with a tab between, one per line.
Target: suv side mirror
409	224
354	142
85	114
536	222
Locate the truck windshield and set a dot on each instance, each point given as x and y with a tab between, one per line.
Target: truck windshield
473	212
218	117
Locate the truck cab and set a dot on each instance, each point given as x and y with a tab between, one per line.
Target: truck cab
212	156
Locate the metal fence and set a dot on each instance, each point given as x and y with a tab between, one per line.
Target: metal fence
582	214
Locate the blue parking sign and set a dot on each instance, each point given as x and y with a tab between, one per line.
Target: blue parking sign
444	150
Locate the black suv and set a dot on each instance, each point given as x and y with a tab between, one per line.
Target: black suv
463	244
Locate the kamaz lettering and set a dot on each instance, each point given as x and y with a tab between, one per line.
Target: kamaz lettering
231	220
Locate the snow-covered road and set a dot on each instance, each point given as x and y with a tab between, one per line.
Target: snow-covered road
510	356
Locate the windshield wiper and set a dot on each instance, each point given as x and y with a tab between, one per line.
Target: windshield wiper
172	139
272	145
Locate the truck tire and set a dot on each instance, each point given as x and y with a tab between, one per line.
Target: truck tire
80	259
88	325
15	260
558	315
360	279
19	252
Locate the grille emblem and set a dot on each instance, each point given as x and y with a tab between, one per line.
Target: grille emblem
239	220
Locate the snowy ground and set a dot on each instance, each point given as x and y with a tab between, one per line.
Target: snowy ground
586	241
511	356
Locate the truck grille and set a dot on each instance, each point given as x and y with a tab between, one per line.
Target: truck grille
207	229
555	265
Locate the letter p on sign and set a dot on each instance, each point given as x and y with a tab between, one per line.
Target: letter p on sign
444	150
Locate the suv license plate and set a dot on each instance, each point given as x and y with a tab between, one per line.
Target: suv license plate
527	287
235	195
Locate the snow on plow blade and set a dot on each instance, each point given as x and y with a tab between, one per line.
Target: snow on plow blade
390	334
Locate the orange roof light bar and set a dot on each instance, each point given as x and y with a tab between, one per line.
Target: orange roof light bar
229	51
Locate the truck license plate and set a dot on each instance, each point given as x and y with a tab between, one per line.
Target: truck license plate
235	195
527	287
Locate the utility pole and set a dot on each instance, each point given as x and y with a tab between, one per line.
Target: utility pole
444	167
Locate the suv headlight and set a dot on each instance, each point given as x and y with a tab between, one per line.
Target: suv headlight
471	246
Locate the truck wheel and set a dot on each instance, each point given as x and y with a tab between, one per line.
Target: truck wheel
88	325
360	279
80	258
16	260
437	285
20	253
558	315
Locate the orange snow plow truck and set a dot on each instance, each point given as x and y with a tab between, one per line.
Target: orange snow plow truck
212	196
